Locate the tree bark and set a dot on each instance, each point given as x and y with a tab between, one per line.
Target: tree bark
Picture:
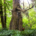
16	21
1	13
4	17
20	22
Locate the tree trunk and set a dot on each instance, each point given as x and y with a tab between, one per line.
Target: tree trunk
1	13
16	21
4	17
14	17
20	21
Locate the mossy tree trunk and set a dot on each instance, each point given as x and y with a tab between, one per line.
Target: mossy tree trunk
14	17
16	21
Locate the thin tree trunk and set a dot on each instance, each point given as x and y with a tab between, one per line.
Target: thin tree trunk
1	13
4	17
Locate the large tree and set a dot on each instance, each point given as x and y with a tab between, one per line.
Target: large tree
16	21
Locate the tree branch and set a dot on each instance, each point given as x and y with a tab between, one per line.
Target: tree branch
20	10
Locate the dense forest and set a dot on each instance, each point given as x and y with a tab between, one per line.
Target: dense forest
18	17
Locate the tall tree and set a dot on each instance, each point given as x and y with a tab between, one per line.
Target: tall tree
16	21
4	17
1	13
14	17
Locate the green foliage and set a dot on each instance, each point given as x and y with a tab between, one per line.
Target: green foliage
25	20
31	20
18	33
9	12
